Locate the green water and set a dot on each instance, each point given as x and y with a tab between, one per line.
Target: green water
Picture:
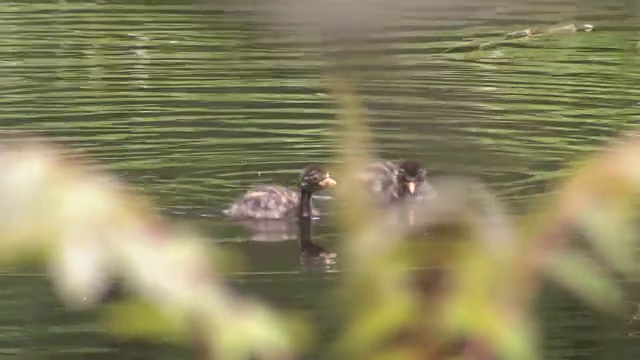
194	105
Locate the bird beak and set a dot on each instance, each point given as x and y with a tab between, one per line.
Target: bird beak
412	187
327	182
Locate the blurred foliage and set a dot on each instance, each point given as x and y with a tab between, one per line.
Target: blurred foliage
449	277
92	230
473	296
457	281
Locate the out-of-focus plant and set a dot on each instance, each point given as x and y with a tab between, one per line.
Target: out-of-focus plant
449	277
452	277
475	272
89	228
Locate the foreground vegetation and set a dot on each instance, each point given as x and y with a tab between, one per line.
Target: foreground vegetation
471	297
458	281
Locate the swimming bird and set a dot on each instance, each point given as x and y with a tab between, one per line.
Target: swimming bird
392	181
279	202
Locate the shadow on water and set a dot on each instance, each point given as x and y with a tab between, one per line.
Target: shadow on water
193	106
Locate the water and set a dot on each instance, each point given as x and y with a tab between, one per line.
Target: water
193	106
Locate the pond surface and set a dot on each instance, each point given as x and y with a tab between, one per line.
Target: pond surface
193	106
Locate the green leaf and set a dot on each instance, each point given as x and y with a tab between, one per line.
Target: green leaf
581	275
518	342
136	318
610	230
376	325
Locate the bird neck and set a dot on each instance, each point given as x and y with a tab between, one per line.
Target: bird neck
304	208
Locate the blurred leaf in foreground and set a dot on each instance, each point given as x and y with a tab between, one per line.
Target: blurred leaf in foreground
136	318
90	228
471	295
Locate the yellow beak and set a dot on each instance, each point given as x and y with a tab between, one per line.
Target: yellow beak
327	182
411	186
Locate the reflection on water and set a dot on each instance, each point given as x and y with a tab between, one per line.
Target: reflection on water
193	107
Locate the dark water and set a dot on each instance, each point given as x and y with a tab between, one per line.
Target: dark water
193	106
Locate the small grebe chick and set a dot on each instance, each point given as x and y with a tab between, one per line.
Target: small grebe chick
389	181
